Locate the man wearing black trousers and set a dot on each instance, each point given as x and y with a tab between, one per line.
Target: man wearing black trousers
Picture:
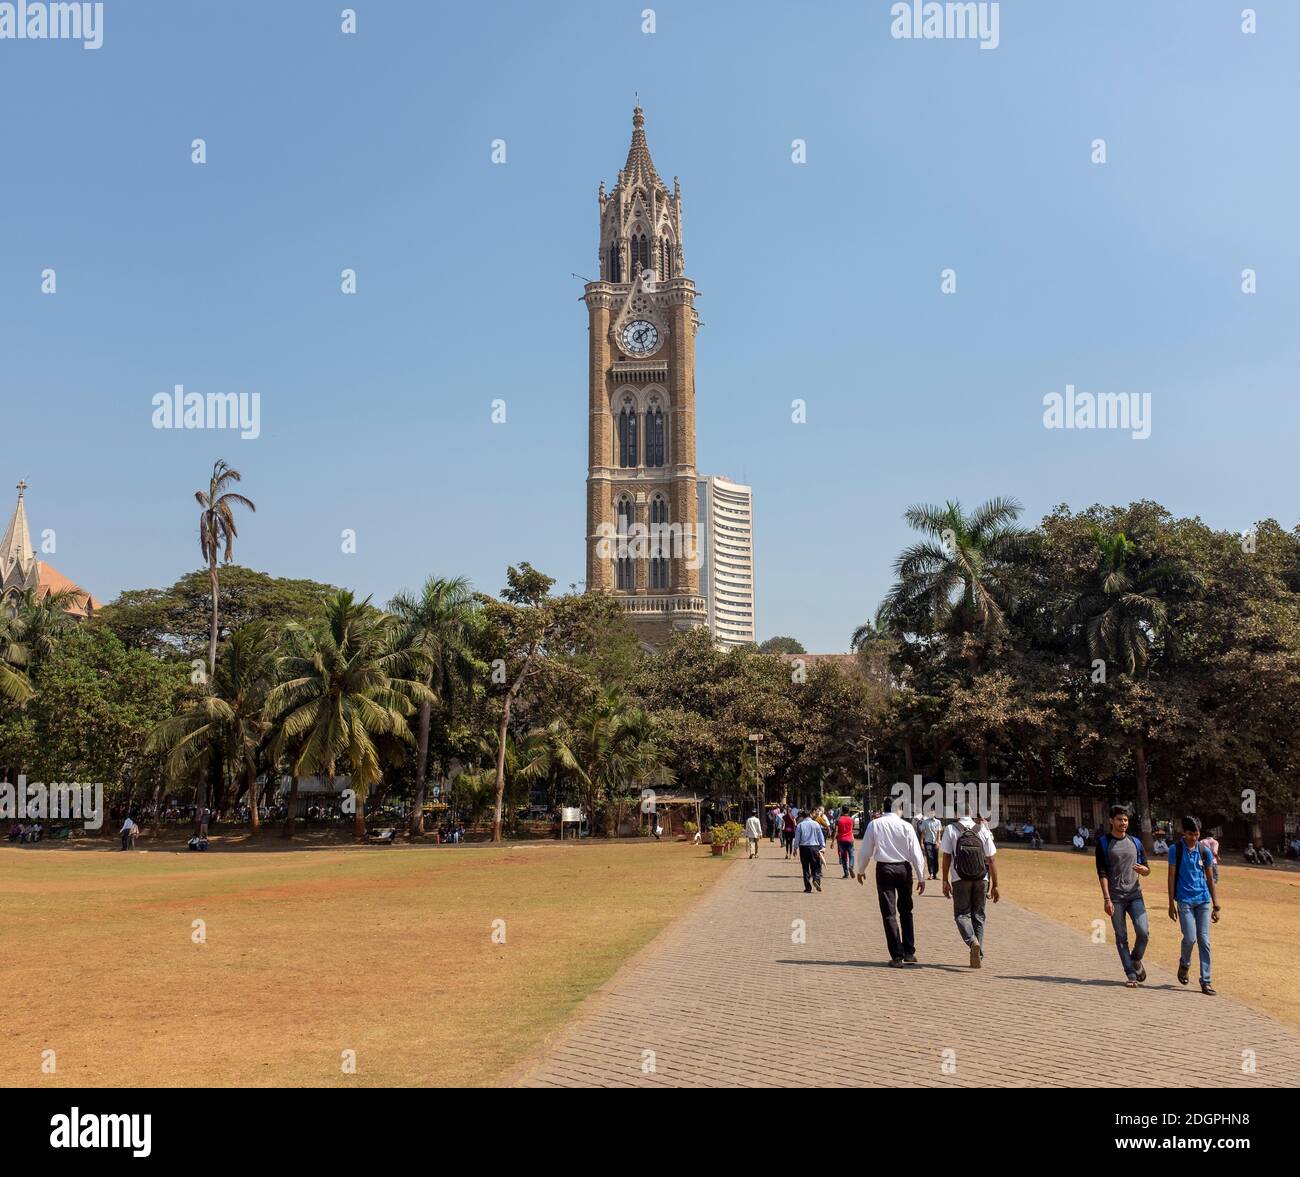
811	844
893	844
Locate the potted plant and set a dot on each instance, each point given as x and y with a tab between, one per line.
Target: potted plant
716	841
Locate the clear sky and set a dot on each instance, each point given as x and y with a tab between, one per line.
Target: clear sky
819	281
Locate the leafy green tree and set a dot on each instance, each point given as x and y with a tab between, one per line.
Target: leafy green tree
176	621
781	645
95	705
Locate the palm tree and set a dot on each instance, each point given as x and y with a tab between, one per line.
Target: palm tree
217	530
342	692
871	633
15	687
610	748
956	579
436	627
36	626
227	725
1122	614
521	763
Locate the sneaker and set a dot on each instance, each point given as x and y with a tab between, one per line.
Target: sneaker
1141	972
817	883
895	964
976	955
910	958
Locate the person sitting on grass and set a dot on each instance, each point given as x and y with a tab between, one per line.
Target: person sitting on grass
1249	854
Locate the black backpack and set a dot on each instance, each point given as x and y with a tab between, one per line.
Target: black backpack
968	854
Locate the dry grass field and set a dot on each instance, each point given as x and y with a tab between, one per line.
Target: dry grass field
1255	945
385	951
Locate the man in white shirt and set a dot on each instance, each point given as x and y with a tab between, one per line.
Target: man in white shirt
753	832
893	844
968	847
128	833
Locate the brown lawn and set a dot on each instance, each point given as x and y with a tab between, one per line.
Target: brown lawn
1255	946
385	951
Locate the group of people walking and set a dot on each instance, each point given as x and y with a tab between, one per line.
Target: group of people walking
1192	885
962	858
806	838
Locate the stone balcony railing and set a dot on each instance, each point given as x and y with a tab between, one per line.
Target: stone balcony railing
672	604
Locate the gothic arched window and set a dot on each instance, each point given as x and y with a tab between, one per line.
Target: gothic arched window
627	431
654	434
640	252
624	577
613	271
666	258
659	542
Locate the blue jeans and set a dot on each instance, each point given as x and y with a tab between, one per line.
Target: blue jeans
846	858
932	859
1136	909
1194	919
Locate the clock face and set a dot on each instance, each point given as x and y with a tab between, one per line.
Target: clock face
640	337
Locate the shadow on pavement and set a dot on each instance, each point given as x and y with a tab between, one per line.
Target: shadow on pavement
881	964
1106	982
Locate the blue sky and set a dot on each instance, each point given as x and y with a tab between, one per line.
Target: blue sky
819	281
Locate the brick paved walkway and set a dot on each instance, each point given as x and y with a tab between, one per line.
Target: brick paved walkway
704	995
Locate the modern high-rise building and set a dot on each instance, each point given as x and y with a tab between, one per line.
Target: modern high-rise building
641	405
727	558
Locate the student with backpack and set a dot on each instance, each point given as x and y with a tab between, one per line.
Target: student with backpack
1193	900
967	848
1121	862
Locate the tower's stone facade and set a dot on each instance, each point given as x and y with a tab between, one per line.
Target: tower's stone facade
642	505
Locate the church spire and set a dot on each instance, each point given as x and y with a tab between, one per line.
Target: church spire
16	547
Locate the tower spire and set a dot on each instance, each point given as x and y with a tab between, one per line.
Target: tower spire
639	165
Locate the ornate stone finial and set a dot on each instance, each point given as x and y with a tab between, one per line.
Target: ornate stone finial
22	486
638	117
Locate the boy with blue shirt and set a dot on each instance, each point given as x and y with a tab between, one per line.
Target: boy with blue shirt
1193	900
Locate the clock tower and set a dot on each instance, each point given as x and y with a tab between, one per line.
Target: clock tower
642	504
